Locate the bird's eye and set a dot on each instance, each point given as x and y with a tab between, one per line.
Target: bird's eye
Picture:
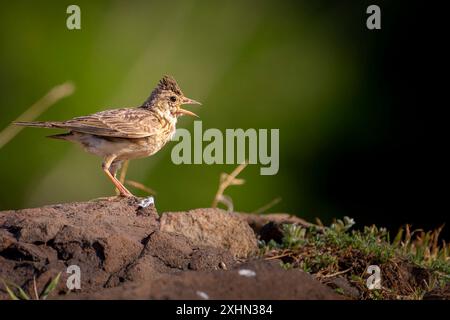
173	98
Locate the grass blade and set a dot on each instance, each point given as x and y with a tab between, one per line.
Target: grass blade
53	96
10	292
22	294
51	286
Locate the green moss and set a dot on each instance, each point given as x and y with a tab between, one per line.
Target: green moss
337	250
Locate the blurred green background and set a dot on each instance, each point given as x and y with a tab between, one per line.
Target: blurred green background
305	67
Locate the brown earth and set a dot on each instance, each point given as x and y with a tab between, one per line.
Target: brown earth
126	251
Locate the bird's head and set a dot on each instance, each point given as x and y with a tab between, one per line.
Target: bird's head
167	96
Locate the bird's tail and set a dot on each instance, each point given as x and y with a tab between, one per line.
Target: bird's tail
45	124
62	136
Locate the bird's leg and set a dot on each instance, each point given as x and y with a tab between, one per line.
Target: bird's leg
106	166
115	165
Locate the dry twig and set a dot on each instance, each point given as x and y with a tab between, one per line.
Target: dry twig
123	172
268	206
140	186
227	180
53	96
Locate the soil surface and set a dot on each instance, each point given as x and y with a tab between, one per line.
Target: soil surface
125	250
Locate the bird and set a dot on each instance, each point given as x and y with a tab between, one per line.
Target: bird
123	134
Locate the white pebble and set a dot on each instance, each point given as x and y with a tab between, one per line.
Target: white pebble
247	273
202	295
147	202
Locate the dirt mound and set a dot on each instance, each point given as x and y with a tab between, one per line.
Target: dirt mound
246	281
125	250
214	227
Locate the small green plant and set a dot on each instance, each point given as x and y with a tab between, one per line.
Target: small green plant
339	291
293	235
339	250
342	226
376	295
22	295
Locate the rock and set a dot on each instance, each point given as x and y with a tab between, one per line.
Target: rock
172	249
146	268
211	259
6	239
124	250
101	237
269	283
213	227
179	252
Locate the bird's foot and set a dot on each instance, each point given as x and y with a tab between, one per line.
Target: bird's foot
127	194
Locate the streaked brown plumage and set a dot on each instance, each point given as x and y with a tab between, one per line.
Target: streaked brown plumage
127	133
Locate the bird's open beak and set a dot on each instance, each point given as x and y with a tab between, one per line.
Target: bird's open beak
189	101
187	112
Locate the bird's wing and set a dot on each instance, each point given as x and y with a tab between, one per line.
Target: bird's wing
122	123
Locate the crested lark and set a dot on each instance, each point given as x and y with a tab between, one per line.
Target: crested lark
127	133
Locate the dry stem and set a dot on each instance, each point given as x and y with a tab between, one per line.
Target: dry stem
267	206
140	186
53	96
226	180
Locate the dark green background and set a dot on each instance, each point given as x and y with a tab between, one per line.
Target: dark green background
310	68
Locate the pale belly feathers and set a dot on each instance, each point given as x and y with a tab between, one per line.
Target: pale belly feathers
123	148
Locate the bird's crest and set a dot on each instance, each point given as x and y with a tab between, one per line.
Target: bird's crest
167	83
